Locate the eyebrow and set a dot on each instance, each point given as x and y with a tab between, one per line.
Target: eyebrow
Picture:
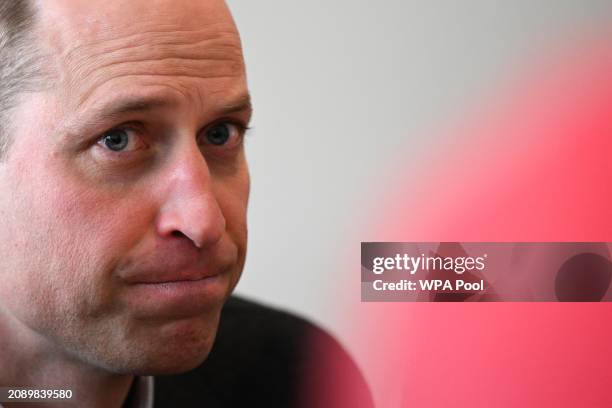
120	108
139	105
242	103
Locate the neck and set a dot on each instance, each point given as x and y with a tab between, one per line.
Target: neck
29	360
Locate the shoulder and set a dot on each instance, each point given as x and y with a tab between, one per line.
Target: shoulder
268	357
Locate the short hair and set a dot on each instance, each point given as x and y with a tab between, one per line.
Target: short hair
20	65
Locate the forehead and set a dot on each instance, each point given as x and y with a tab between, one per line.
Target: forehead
99	47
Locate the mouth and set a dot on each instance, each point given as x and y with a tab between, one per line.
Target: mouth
179	296
176	280
161	277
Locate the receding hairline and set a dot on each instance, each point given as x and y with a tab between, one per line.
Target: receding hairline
21	67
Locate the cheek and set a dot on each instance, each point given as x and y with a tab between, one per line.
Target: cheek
41	272
65	239
233	195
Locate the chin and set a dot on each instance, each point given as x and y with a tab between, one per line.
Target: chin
174	359
181	352
179	364
171	348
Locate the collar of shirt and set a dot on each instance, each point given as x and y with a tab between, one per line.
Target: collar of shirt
141	393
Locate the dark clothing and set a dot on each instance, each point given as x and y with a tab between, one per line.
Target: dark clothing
264	357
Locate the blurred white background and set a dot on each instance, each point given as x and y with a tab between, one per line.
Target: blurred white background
340	89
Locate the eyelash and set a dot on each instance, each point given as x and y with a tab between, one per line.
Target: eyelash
241	127
139	128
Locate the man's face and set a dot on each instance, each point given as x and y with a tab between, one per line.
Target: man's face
124	193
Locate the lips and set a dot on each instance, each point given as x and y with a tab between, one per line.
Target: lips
177	285
176	266
176	299
180	275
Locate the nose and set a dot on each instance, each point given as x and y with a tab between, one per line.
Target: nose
190	209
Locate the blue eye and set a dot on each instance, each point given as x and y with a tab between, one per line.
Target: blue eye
123	139
218	135
116	139
222	134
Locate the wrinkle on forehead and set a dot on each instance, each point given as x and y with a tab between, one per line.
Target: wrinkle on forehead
202	55
154	45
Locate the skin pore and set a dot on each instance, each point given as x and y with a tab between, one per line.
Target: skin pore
124	196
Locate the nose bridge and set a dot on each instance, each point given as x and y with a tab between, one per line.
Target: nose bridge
190	206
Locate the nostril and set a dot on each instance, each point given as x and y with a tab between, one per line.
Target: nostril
178	234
